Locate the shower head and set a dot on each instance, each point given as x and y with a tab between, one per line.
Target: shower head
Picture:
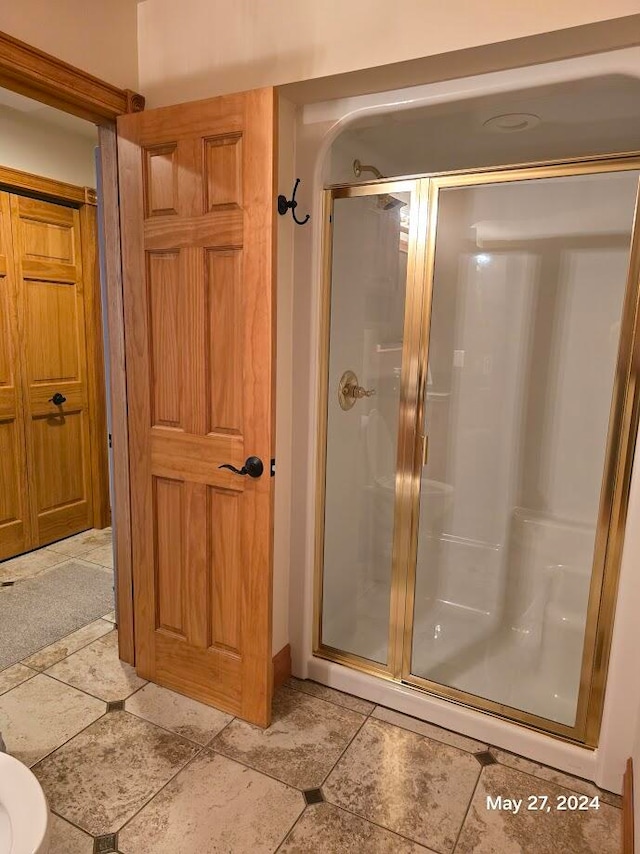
388	203
359	168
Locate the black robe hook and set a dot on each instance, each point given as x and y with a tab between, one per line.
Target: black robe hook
284	205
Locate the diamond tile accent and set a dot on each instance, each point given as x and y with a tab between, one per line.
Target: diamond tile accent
313	796
105	844
485	758
115	706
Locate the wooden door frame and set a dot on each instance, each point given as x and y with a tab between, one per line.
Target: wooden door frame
38	75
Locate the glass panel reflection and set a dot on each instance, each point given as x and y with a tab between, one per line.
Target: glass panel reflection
527	299
369	270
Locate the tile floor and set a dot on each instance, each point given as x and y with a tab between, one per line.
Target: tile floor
93	545
131	767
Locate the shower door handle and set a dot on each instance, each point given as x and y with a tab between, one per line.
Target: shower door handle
253	466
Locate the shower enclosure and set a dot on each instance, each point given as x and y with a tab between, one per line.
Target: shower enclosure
476	433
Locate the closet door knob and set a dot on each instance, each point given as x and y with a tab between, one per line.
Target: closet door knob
58	399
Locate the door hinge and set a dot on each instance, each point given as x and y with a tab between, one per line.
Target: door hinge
273	467
110	445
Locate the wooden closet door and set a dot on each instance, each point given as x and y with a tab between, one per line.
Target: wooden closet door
197	202
46	239
15	521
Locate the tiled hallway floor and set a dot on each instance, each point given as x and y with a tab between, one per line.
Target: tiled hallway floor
131	767
93	546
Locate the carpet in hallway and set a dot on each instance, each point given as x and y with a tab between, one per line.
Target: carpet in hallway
38	611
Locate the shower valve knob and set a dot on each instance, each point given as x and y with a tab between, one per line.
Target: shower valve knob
358	392
349	390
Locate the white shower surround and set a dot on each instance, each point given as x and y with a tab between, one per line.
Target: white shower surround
319	125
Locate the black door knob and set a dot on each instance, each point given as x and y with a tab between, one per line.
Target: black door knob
253	466
58	399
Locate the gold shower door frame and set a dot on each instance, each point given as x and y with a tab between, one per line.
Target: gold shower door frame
621	438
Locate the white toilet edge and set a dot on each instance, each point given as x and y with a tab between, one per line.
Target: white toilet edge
22	797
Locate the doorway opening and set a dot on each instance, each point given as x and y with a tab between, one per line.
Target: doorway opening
56	555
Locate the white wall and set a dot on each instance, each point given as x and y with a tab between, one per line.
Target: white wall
98	37
42	148
198	48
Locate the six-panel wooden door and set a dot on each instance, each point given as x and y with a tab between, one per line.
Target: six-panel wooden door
197	204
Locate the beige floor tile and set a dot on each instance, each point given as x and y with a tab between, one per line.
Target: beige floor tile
102	556
82	543
101	778
12	676
97	670
487	831
576	784
302	744
215	806
331	695
55	652
412	785
41	714
327	828
186	717
111	616
30	564
67	839
430	730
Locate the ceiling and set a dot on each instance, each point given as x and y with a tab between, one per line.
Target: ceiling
583	117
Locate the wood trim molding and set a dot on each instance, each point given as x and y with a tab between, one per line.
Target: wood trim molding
627	810
36	74
96	388
14	179
121	502
281	666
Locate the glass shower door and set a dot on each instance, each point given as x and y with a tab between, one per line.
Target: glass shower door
528	284
370	268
